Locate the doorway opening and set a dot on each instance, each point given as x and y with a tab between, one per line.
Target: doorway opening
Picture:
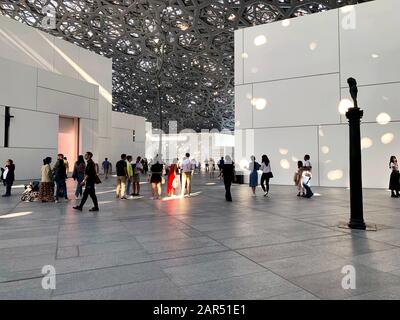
68	139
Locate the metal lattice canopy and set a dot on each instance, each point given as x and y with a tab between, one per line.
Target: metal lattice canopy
195	38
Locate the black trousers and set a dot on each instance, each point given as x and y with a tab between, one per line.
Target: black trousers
228	195
265	179
8	187
89	191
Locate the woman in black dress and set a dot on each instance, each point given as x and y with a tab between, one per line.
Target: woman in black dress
156	178
394	184
228	174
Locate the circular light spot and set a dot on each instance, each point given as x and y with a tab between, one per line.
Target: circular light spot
383	118
366	143
238	123
244	55
260	40
335	175
243	164
344	105
321	132
325	150
259	103
283	151
285	164
375	56
286	23
313	46
387	138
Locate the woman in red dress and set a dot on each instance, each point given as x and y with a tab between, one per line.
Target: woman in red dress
172	181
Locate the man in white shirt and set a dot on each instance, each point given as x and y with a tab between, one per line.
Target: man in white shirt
187	172
307	167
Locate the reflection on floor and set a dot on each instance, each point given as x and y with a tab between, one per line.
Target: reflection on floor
276	247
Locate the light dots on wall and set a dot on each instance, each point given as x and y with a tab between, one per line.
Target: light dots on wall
313	45
244	55
244	164
259	103
285	164
286	23
366	143
375	56
254	70
283	151
325	149
335	175
344	105
260	40
387	138
383	118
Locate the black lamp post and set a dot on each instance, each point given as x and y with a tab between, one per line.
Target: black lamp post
354	116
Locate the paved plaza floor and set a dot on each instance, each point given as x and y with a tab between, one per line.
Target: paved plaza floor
276	247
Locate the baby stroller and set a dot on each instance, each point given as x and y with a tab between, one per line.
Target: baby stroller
31	192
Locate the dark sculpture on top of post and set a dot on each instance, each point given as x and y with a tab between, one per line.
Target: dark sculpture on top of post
354	116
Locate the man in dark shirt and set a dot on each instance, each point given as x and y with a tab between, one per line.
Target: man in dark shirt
60	175
89	181
106	167
122	173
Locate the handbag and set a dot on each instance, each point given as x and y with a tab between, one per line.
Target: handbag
97	179
270	175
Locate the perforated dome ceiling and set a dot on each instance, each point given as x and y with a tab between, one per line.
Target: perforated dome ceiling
197	75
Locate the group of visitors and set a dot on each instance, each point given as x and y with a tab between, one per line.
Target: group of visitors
178	173
128	173
85	174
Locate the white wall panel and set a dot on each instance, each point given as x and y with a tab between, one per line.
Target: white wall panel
308	46
66	58
97	70
94	109
63	103
87	135
370	50
334	155
65	84
239	56
31	129
140	130
17	85
243	107
25	45
284	147
376	100
303	101
385	141
244	147
27	167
